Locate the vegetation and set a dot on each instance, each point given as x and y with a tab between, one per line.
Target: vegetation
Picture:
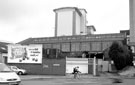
121	54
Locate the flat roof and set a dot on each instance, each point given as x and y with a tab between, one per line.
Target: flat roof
63	8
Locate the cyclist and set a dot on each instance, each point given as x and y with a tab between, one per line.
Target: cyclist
76	72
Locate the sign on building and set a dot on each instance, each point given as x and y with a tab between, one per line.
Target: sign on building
24	54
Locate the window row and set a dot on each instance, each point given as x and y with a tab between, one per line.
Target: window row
85	46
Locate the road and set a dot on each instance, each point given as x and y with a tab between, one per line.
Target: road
77	82
66	82
127	82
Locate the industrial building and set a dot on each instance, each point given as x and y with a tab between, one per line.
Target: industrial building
74	44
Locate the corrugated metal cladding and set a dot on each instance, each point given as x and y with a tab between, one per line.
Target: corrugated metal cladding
65	47
85	46
97	42
97	46
75	46
56	46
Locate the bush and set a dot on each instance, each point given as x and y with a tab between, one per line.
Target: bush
121	54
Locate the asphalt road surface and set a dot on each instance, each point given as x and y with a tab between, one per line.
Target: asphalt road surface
127	82
77	82
67	82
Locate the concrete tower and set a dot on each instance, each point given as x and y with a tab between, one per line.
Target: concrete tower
83	29
132	21
70	21
67	21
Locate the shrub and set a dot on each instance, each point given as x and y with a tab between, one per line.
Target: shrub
121	55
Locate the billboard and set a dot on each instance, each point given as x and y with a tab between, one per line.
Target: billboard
24	54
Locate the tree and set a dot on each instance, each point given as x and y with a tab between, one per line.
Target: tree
121	54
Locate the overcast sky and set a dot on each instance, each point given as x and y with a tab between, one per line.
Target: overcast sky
21	19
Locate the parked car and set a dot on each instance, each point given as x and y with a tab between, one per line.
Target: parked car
7	76
19	71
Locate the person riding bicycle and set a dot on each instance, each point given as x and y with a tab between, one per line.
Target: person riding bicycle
76	72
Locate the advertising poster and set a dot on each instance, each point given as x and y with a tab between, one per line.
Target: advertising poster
24	54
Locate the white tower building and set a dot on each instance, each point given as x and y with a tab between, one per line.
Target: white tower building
83	29
70	21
